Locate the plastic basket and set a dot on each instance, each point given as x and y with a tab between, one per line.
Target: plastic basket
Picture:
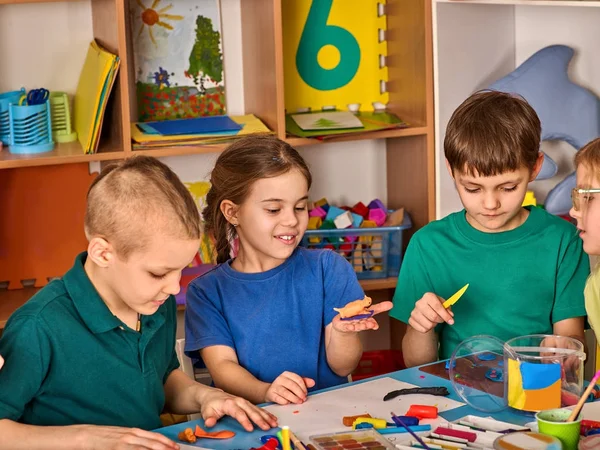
30	128
373	252
378	362
7	98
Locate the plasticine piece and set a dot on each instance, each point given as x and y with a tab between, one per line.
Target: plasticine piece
486	356
361	316
494	375
439	391
422	412
349	420
187	435
355	308
223	434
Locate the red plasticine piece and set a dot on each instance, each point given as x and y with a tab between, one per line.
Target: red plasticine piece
469	436
422	411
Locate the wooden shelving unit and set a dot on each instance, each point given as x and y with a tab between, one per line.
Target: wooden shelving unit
11	300
410	151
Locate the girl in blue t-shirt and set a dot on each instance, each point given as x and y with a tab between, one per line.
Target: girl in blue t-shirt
264	321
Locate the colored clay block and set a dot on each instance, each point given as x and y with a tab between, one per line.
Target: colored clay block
346	249
350	238
314	240
318	212
376	204
361	210
321	202
329	246
378	216
394	219
368	224
377	247
314	223
327	225
368	260
349	420
357	259
344	220
333	212
357	220
346	208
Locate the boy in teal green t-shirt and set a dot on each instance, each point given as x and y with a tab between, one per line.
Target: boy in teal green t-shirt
526	268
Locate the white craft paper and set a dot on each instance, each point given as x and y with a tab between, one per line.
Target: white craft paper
323	413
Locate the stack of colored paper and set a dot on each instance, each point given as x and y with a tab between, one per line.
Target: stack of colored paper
145	136
370	120
95	83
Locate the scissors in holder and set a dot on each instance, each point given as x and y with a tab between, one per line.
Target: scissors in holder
36	97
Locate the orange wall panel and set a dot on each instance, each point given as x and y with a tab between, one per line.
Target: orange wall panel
41	221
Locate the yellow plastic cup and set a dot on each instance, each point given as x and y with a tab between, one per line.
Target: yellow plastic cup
553	423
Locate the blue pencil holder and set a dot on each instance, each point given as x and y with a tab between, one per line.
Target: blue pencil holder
30	128
7	98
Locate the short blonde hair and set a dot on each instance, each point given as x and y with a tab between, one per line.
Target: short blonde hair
492	133
139	196
589	156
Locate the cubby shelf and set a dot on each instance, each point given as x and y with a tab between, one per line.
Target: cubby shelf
409	152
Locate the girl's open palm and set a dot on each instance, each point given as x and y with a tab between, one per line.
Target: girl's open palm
352	326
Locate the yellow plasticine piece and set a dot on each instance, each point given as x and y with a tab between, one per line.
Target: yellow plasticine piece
377	423
452	300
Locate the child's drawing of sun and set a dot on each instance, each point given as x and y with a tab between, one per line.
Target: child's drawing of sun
150	16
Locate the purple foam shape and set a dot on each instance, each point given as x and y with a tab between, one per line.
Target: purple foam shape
376	204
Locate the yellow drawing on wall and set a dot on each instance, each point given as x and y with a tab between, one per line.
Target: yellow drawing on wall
332	53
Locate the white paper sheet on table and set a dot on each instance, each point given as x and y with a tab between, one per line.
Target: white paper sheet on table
323	413
591	411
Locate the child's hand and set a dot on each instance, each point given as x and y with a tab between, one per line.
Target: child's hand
429	312
353	326
118	438
288	388
216	404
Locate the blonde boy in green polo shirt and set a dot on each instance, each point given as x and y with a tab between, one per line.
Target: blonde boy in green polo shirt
90	359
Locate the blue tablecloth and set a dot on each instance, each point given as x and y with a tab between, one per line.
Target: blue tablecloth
245	440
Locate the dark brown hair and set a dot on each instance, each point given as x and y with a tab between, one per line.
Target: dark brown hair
140	195
237	168
589	156
492	133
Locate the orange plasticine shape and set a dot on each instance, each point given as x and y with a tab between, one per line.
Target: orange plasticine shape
223	434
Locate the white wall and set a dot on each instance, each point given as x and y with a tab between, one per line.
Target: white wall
477	44
44	44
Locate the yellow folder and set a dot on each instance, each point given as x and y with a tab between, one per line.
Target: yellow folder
95	83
